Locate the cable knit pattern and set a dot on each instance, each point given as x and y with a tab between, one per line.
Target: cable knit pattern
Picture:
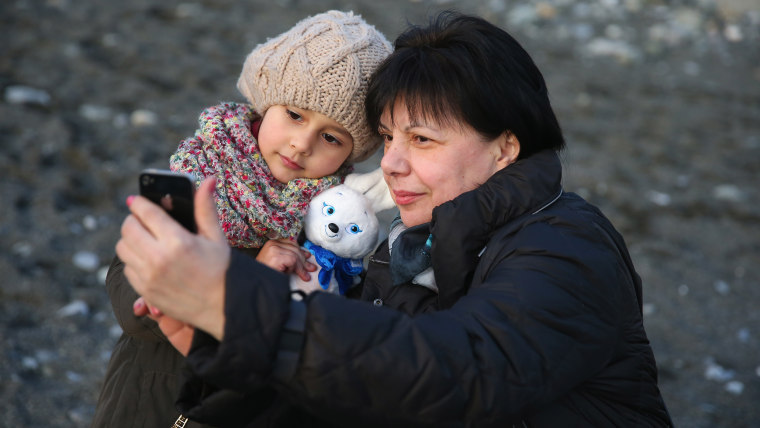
252	205
322	64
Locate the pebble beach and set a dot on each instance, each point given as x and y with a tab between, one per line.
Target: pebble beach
659	102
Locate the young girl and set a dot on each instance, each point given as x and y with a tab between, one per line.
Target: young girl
302	130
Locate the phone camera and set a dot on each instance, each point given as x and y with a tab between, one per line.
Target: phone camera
147	180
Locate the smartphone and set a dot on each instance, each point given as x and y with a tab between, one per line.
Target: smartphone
173	191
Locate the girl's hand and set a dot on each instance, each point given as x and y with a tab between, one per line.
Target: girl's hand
286	256
180	334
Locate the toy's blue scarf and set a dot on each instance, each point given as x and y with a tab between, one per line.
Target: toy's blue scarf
345	269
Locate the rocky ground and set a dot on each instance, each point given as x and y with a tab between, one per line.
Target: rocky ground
660	102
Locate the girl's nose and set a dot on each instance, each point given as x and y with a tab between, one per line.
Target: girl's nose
301	144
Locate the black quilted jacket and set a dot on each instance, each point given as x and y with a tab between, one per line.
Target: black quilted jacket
537	322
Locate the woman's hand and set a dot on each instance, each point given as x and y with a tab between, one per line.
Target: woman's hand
179	334
179	272
286	256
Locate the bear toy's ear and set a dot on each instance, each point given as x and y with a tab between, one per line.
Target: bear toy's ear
373	186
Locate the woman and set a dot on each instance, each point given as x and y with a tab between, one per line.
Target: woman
498	299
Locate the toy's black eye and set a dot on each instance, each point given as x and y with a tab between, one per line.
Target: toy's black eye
327	209
353	229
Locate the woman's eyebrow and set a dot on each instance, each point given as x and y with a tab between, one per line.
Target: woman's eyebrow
416	124
409	127
424	125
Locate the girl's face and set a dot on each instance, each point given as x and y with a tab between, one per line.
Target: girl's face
426	164
300	143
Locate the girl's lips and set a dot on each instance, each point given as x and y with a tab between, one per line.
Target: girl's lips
402	197
289	163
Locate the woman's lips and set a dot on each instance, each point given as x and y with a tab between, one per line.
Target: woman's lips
403	197
289	163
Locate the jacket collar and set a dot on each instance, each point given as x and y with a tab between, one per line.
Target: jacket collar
463	226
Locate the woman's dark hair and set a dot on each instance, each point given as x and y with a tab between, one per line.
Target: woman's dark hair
463	68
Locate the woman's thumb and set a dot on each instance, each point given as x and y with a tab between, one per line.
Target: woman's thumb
205	211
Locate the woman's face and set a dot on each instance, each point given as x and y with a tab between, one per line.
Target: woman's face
426	164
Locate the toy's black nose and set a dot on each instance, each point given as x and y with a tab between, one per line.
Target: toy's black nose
333	227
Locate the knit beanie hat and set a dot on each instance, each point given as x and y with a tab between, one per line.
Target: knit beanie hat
322	64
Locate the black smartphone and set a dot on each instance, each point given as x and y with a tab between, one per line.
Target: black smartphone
173	191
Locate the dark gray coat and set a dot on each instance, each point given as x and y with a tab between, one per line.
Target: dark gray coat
142	378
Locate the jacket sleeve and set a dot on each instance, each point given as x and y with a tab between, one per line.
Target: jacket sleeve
540	323
225	383
533	329
122	297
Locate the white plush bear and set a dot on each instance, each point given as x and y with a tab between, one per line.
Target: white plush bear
341	228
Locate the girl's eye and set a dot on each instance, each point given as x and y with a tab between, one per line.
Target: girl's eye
386	137
420	139
331	139
353	229
293	115
327	209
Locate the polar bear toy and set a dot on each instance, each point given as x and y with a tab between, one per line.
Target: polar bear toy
341	228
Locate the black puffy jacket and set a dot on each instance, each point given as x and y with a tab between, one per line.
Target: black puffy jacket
537	322
142	380
141	383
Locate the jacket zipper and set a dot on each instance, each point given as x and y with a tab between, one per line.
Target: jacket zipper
372	259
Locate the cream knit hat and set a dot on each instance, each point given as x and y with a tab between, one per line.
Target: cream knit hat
321	64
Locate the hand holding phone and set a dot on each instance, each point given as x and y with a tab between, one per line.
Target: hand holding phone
173	191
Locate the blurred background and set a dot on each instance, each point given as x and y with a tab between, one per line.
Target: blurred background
659	101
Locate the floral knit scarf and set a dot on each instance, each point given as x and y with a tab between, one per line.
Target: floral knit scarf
253	206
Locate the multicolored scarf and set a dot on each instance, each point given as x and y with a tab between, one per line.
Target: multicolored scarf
253	206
